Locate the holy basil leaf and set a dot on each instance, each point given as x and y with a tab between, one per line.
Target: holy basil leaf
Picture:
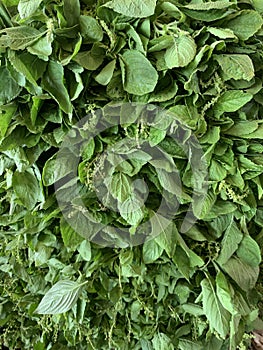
181	53
243	274
245	24
70	238
60	298
120	187
133	8
28	65
151	251
53	82
41	48
249	251
236	66
138	75
18	38
71	9
131	210
105	75
232	237
27	188
27	7
90	29
223	292
218	317
231	101
9	87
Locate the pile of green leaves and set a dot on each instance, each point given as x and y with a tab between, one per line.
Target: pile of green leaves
201	61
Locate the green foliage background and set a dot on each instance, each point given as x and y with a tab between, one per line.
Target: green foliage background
202	61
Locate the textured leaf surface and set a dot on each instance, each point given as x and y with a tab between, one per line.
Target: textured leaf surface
60	298
133	8
218	317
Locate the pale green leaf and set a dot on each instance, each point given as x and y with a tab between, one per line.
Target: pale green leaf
222	33
70	237
217	316
245	24
105	75
42	48
18	38
131	210
139	76
85	250
133	8
27	7
231	101
236	66
224	293
27	188
232	237
249	251
181	53
90	29
151	251
9	89
30	66
60	298
120	187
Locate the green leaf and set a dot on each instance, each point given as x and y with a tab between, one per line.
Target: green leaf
9	89
71	9
6	114
131	210
224	293
231	101
249	251
41	48
181	53
55	169
60	298
85	250
185	344
90	60
167	240
245	24
53	83
27	7
185	115
70	237
151	251
258	5
133	8
105	75
243	127
222	33
27	188
207	6
243	274
217	316
232	237
18	38
120	187
161	341
170	181
202	205
90	29
139	76
28	65
236	66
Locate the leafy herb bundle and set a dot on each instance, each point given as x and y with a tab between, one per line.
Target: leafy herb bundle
202	62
